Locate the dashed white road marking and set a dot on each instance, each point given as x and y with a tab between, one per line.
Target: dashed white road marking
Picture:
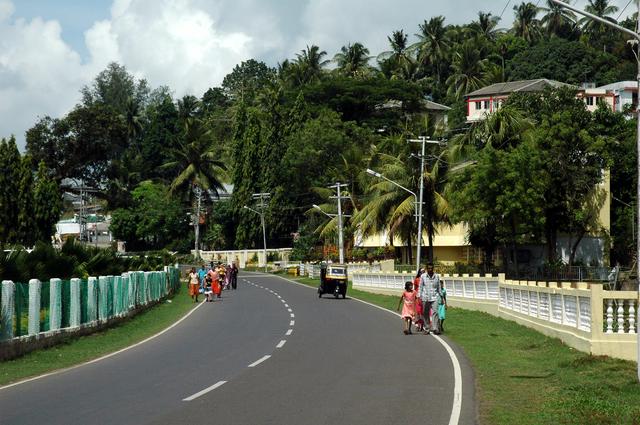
289	332
292	323
206	390
289	310
286	305
281	343
257	362
293	315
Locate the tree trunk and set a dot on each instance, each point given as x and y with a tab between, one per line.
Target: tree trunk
574	247
552	240
514	247
410	253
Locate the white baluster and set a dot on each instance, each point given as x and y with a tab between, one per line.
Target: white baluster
632	317
621	317
609	316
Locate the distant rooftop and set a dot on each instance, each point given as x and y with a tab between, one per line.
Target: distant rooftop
621	85
518	86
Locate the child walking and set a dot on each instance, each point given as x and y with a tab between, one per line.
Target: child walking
442	305
408	302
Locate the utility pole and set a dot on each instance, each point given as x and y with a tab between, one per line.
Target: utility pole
262	197
339	186
196	220
635	42
423	140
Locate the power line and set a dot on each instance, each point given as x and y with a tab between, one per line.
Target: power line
625	8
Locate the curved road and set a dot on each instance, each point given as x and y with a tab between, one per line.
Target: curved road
269	353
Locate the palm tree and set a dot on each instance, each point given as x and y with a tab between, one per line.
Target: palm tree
353	60
310	63
188	107
597	31
432	45
486	26
398	60
557	19
526	24
197	161
468	70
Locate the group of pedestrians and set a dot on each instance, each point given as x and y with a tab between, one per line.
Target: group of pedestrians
424	301
211	281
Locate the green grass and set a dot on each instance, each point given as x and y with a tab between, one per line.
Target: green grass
81	349
524	377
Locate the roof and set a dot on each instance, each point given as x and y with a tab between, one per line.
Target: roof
427	104
621	85
433	106
517	86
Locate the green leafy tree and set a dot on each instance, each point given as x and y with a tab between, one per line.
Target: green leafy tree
25	204
526	24
432	47
10	165
398	62
558	20
353	60
47	202
598	33
246	79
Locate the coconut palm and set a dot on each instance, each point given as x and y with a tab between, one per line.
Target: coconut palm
308	65
196	161
557	20
526	24
353	60
486	26
468	69
432	45
597	31
398	60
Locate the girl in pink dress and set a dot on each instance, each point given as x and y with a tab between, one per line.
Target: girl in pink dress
408	302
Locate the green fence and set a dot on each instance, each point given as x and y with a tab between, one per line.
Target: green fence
97	299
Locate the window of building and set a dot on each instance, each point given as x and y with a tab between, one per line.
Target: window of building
478	106
486	104
589	100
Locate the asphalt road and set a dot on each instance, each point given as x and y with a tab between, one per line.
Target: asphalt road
269	353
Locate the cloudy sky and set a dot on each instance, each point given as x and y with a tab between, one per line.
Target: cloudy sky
49	49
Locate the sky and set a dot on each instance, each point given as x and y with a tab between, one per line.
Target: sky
50	49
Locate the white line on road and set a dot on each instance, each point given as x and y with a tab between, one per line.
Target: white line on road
281	343
456	408
292	323
293	315
286	305
289	332
257	362
289	310
55	372
283	301
206	390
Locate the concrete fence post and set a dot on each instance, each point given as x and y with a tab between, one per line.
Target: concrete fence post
55	304
7	310
103	291
35	291
75	306
92	299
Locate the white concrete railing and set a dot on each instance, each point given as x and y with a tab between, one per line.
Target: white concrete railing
583	315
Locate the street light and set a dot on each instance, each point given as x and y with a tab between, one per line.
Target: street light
423	140
264	234
380	176
636	42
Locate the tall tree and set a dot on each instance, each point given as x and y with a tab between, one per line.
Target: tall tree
25	203
486	26
526	24
558	20
468	69
432	46
47	204
9	190
597	32
309	64
398	61
353	60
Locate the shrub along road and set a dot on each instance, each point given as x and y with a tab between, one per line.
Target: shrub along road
270	352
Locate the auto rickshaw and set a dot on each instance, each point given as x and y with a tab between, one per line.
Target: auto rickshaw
333	280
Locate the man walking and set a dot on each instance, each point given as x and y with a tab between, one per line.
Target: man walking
428	294
234	275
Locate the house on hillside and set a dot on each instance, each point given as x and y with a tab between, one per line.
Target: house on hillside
488	99
623	94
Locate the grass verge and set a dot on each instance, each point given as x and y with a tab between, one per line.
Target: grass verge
524	377
81	349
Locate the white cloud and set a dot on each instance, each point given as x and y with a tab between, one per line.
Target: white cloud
168	42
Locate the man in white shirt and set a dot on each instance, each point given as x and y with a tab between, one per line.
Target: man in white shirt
428	295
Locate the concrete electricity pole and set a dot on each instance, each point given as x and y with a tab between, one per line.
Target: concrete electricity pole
196	222
262	197
339	186
636	43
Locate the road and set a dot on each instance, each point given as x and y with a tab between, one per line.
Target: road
269	353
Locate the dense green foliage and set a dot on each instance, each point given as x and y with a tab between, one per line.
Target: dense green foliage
294	129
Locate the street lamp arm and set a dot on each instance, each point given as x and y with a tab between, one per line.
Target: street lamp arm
393	183
627	31
251	209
